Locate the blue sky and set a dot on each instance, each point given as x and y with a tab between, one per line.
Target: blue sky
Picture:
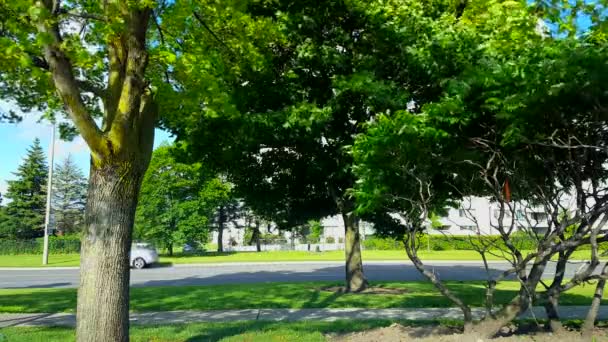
16	138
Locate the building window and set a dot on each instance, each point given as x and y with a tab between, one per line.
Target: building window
497	213
520	214
539	216
466	212
469	228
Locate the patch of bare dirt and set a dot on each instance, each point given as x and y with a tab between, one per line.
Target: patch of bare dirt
400	333
369	290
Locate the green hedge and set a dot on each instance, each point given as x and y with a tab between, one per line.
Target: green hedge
444	243
57	245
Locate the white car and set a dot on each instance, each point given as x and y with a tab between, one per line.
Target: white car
142	255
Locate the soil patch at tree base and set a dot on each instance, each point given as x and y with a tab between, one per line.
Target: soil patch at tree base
437	333
370	290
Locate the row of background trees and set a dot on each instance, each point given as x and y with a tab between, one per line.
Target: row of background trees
182	203
23	210
179	203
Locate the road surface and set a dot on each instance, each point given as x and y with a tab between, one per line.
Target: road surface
233	273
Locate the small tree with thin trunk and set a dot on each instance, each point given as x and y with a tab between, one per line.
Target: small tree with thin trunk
531	138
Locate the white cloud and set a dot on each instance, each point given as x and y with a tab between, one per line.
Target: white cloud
3	187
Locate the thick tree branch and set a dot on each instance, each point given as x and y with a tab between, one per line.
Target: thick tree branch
116	74
65	82
133	85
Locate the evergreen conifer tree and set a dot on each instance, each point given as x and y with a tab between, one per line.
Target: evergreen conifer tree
69	196
24	214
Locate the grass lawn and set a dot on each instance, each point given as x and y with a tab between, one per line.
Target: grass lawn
250	331
35	260
60	260
273	295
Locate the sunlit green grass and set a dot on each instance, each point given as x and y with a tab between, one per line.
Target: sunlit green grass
212	257
35	260
273	295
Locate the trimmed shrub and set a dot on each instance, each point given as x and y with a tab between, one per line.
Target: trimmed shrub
458	242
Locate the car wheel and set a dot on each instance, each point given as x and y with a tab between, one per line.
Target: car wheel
139	263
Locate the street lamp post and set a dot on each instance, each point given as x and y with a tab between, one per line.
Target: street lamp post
49	189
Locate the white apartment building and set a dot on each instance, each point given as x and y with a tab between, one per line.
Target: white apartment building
475	215
333	227
478	215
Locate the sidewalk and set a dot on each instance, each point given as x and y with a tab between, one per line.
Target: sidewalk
328	315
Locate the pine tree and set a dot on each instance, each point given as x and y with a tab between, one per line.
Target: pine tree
24	214
69	196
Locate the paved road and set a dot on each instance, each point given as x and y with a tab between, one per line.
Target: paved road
259	272
327	315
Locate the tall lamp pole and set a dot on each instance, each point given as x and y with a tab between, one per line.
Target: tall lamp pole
49	189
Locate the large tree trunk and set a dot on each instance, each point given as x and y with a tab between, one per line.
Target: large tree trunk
355	279
103	295
220	230
170	249
257	234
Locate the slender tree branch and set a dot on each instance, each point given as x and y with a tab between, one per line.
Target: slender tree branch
204	24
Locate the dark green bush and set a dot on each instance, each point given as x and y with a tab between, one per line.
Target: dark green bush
57	245
381	244
462	242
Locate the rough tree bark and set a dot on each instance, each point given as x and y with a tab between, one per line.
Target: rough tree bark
355	279
112	199
220	229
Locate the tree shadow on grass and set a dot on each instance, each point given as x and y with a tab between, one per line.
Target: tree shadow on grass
283	289
48	301
260	330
